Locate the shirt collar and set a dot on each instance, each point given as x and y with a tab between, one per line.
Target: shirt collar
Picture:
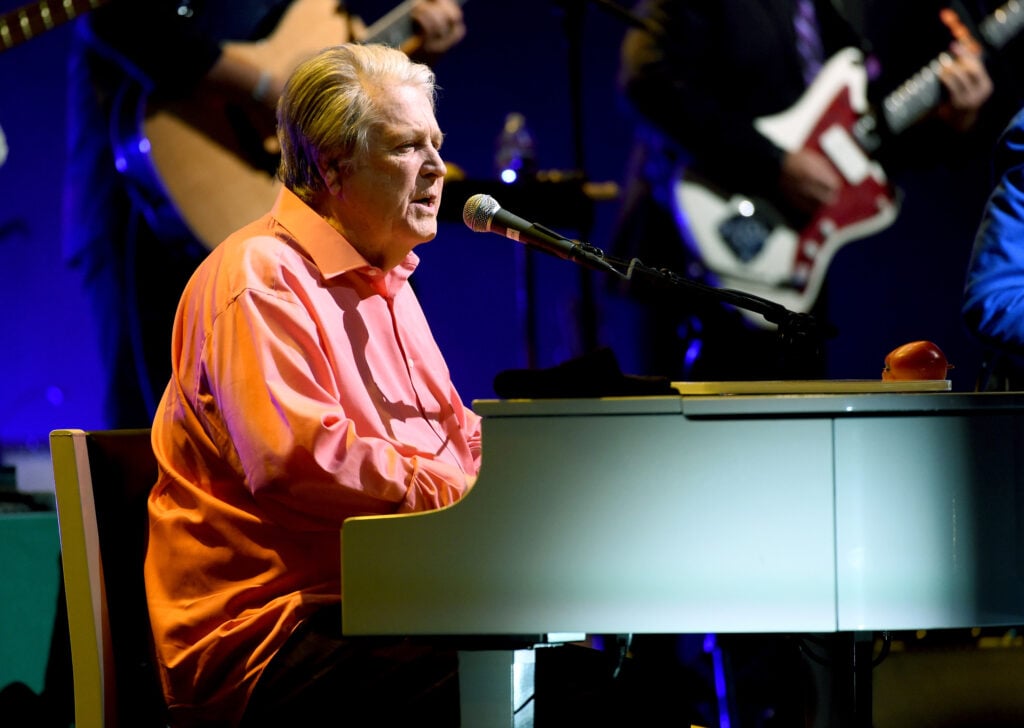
332	254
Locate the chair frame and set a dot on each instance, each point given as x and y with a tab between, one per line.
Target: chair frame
94	471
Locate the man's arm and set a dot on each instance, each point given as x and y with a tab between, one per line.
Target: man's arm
239	75
993	305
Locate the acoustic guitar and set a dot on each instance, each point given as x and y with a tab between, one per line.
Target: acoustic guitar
202	168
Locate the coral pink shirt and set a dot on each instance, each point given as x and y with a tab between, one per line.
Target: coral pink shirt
307	388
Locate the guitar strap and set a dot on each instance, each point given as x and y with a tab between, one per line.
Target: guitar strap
852	13
808	39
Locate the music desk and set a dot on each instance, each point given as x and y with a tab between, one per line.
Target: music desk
814	513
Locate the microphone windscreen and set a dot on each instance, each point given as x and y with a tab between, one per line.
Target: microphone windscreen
478	212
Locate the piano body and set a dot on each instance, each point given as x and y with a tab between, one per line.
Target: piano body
726	514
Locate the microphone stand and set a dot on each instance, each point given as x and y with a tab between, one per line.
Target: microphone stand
573	22
800	335
573	26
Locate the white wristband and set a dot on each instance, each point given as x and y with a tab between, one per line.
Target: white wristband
259	91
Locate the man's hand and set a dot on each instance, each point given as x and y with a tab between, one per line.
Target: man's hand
439	24
967	83
808	180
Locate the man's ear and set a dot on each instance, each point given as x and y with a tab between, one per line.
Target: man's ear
329	173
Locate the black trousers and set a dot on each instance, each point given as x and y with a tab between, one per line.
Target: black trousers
405	681
362	680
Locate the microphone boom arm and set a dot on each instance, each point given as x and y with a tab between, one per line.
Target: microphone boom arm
795	329
482	213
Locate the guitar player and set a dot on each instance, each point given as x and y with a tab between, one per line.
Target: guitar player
915	268
199	79
696	90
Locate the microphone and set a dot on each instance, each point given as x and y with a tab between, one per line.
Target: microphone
483	214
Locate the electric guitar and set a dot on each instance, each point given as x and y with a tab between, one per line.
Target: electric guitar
749	244
26	22
202	168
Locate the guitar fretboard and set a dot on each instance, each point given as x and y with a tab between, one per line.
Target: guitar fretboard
917	96
1003	25
395	27
24	23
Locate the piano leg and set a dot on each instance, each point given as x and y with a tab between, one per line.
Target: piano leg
496	688
863	659
842	678
851	689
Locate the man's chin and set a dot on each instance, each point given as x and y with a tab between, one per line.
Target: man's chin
426	233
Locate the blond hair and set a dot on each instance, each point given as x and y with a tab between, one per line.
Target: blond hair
328	107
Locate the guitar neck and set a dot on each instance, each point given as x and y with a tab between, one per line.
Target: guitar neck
922	92
1002	26
25	23
394	28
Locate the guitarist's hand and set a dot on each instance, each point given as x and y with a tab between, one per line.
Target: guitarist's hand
967	84
808	180
439	26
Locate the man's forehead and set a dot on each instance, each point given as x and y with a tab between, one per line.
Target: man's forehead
396	128
401	111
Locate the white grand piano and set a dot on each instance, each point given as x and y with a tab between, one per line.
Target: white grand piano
785	513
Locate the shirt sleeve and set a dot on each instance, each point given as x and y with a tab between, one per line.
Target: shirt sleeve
155	42
275	401
993	305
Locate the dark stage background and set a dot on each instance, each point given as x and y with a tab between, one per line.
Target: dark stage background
517	57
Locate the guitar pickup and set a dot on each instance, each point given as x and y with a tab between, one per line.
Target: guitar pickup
845	154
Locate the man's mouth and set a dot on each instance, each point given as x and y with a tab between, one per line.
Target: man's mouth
430	201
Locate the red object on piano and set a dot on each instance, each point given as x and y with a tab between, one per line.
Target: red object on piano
914	361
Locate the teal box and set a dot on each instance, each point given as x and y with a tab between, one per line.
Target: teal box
29	580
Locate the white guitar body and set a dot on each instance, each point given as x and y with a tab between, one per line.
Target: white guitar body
747	244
